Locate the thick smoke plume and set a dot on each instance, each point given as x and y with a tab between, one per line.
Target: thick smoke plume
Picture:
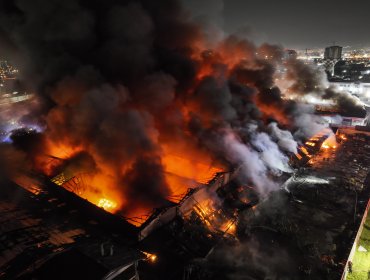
133	84
306	81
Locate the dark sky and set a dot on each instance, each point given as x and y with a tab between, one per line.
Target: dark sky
293	23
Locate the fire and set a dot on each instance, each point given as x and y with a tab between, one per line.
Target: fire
304	150
150	257
229	227
107	204
153	258
309	143
181	171
325	146
329	143
180	158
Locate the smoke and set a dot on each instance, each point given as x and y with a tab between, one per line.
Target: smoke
283	138
252	260
347	103
208	14
12	161
252	166
130	84
270	153
262	251
306	80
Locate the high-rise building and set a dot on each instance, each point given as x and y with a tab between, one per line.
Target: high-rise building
333	52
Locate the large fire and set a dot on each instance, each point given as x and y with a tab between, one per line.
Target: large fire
135	120
181	173
171	159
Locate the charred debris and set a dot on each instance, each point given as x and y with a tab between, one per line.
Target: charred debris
311	220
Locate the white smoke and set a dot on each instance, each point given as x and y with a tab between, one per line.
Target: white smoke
252	166
284	138
270	153
307	123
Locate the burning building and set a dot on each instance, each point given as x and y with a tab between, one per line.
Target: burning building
135	107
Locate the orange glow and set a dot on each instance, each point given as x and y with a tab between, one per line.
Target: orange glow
330	142
106	204
188	168
309	143
185	165
304	150
150	257
229	227
57	150
273	112
153	258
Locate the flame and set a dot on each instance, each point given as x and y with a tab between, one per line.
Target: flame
106	204
309	143
325	146
304	150
183	166
153	258
330	142
229	227
150	257
183	171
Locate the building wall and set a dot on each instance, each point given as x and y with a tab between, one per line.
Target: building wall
333	52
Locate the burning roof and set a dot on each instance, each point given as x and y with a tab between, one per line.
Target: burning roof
136	97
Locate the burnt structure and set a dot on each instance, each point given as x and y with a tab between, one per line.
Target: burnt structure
46	227
306	230
51	233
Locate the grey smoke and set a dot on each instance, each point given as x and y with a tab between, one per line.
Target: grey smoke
284	138
270	153
251	164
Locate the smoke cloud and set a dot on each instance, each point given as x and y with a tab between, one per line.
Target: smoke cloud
131	84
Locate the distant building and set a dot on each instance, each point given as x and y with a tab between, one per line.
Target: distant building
361	90
351	71
339	121
331	56
333	53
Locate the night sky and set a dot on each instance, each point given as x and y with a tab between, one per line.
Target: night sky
295	24
291	23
